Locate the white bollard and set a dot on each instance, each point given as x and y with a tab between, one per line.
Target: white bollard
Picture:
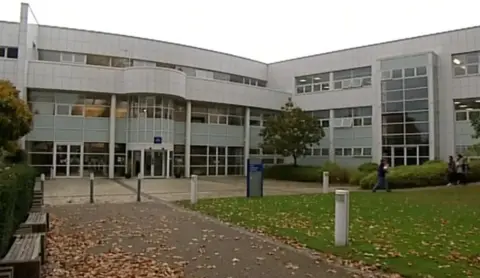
193	189
326	181
342	207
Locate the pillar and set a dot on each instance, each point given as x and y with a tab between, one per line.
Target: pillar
246	140
111	143
188	137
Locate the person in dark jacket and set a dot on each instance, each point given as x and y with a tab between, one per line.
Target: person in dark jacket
462	167
382	171
452	171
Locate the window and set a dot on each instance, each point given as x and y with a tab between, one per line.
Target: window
98	60
362	116
8	52
466	64
313	83
467	109
352	78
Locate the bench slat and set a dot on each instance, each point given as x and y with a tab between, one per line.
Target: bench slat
25	248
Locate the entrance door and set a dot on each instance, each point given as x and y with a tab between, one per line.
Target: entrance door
154	163
68	160
216	161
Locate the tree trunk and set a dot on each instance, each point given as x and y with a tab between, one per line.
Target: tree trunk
294	160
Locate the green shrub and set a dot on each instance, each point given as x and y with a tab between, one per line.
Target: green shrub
368	167
429	174
436	161
16	193
289	172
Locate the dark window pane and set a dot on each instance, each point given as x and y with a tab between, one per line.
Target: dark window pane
461	116
459	71
411	161
416	105
95	148
98	60
393	129
393	140
2	52
342	113
398	161
392	107
421	71
392	118
420	139
391	85
397	73
423	150
409	72
416	93
418	82
362	72
198	149
12	52
472	69
411	151
416	128
393	96
416	117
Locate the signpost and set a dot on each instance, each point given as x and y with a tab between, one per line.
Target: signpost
157	140
255	178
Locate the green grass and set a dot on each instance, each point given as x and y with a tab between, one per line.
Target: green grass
414	233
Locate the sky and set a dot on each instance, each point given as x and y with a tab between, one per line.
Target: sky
263	30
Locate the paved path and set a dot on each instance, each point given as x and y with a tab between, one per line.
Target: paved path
206	248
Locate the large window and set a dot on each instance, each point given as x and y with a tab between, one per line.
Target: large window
69	104
210	113
466	64
258	117
156	107
122	62
215	160
405	119
467	109
362	116
313	83
8	52
323	117
40	155
352	78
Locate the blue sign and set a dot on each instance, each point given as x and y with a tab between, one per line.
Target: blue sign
157	140
255	178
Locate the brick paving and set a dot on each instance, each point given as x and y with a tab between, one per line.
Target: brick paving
206	248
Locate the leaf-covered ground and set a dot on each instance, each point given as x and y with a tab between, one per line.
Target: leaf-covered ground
432	233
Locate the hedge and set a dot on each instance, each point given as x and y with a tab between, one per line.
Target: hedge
429	174
298	173
16	193
362	171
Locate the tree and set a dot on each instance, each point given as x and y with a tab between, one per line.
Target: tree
475	123
291	132
15	116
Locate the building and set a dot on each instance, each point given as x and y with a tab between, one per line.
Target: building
108	103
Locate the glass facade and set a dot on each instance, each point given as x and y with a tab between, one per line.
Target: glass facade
405	116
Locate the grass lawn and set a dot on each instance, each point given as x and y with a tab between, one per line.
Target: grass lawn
414	233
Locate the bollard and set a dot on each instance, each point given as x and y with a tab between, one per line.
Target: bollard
326	181
193	189
42	182
42	185
139	187
342	207
91	188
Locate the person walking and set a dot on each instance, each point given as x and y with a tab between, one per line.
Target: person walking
451	171
382	171
461	168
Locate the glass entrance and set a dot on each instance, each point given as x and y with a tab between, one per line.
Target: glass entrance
216	161
68	160
154	163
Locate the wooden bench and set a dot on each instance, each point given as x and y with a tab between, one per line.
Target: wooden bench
25	256
6	272
37	222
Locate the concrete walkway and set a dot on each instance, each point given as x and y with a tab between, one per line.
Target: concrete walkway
203	247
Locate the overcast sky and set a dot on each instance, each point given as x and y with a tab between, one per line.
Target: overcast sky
264	30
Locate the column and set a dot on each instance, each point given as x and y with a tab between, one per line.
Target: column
111	143
167	173
246	148
331	137
188	137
